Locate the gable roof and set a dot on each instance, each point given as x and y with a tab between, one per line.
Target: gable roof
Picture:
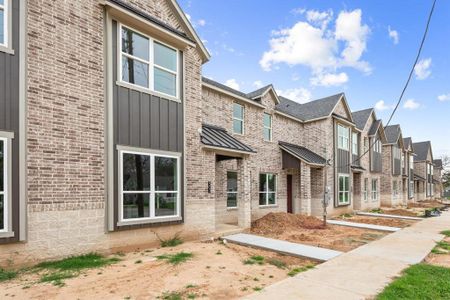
393	134
437	163
317	109
261	92
361	117
421	150
377	127
408	143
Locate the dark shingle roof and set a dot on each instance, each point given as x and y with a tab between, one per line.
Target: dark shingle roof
215	136
438	163
407	142
303	153
311	110
361	117
421	150
374	128
224	87
392	133
259	92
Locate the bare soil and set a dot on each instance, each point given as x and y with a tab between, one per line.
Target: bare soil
310	231
379	221
400	212
442	260
216	271
426	204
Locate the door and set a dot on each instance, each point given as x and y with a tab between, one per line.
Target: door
289	194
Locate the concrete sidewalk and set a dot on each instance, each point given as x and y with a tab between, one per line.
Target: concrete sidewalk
365	271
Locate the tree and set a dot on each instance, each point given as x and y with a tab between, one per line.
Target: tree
446	170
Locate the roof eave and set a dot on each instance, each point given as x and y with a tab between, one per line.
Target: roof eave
247	100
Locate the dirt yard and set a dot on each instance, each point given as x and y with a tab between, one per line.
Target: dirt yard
378	221
215	271
310	231
401	212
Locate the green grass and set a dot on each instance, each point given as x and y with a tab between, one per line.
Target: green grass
256	259
257	288
173	242
7	275
377	211
296	271
177	258
419	281
57	278
171	296
446	233
277	263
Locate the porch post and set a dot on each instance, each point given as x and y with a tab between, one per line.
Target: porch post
305	189
244	192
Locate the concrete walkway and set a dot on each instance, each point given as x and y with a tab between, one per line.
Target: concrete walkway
280	246
367	214
365	271
364	225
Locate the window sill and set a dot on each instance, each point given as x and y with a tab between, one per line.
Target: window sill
6	50
7	234
268	206
232	208
146	91
148	221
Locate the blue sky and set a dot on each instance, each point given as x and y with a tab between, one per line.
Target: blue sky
312	49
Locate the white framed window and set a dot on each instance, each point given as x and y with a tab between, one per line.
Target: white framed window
147	63
267	120
343	137
411	188
149	186
354	143
411	162
377	146
267	189
366	189
4	22
238	118
232	189
395	189
374	189
344	189
4	185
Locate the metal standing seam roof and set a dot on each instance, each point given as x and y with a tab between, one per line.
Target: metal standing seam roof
218	137
303	153
311	110
361	117
421	150
419	178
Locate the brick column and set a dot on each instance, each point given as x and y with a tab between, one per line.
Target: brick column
305	189
244	199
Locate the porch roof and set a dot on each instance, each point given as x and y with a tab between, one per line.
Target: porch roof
419	178
303	154
357	168
217	137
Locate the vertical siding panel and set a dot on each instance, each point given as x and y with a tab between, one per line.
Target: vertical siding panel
154	122
164	124
135	118
2	92
123	117
180	131
145	121
172	120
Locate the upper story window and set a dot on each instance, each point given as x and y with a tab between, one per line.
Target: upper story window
267	127
148	63
343	137
377	146
4	22
397	152
411	162
238	118
354	143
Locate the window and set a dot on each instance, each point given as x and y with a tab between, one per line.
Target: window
403	163
374	189
232	187
366	189
411	162
267	127
366	144
354	143
148	63
343	137
395	189
377	146
4	23
411	188
149	186
238	118
344	189
267	189
4	185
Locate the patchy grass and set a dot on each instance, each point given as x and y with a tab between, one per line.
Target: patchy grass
57	278
296	271
7	275
172	242
419	281
277	263
257	288
219	252
256	259
346	215
441	247
171	296
177	258
446	233
376	211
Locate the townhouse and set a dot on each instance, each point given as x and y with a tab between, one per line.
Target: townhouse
111	137
437	178
408	173
423	170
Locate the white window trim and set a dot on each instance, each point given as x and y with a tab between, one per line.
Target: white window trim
240	120
366	189
269	128
374	191
228	192
7	185
345	139
151	65
355	143
267	192
7	27
345	191
152	218
395	192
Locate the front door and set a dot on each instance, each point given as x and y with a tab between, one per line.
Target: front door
289	194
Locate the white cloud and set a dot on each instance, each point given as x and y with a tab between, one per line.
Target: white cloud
393	34
411	104
422	69
444	97
300	95
298	11
329	79
315	44
201	22
232	83
258	84
381	105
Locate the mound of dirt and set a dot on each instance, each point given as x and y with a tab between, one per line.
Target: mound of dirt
400	212
277	223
